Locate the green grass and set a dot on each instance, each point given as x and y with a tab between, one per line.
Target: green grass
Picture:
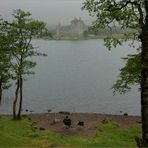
21	134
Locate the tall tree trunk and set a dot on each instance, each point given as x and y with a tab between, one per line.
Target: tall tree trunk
1	91
16	98
144	81
21	98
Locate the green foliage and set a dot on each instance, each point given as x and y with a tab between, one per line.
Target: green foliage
125	15
23	28
129	74
15	38
109	13
16	51
5	56
20	134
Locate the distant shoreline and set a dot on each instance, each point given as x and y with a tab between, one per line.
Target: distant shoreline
79	38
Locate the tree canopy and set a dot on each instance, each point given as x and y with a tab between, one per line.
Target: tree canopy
5	57
16	52
126	14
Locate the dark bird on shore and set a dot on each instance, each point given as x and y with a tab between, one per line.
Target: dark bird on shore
81	123
125	114
67	121
49	110
31	111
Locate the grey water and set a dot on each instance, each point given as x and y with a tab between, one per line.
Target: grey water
76	76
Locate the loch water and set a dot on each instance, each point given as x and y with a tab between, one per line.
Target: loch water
76	76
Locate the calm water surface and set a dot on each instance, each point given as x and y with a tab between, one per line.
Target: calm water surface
76	76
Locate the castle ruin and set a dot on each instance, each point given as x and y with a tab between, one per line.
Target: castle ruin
76	27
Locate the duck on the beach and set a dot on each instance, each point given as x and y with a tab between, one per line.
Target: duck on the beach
67	121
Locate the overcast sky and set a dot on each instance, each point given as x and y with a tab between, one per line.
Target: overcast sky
50	11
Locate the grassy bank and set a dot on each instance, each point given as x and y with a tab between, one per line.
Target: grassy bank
21	134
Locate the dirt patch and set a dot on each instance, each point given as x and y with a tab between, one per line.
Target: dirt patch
54	122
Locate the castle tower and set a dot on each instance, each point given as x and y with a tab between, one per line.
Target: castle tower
58	29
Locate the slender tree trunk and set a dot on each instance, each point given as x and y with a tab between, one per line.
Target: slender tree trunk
144	82
16	98
21	98
21	89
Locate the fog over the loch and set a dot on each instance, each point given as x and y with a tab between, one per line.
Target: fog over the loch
50	11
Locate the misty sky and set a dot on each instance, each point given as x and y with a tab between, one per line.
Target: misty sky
50	11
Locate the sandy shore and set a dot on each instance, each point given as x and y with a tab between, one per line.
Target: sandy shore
54	122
